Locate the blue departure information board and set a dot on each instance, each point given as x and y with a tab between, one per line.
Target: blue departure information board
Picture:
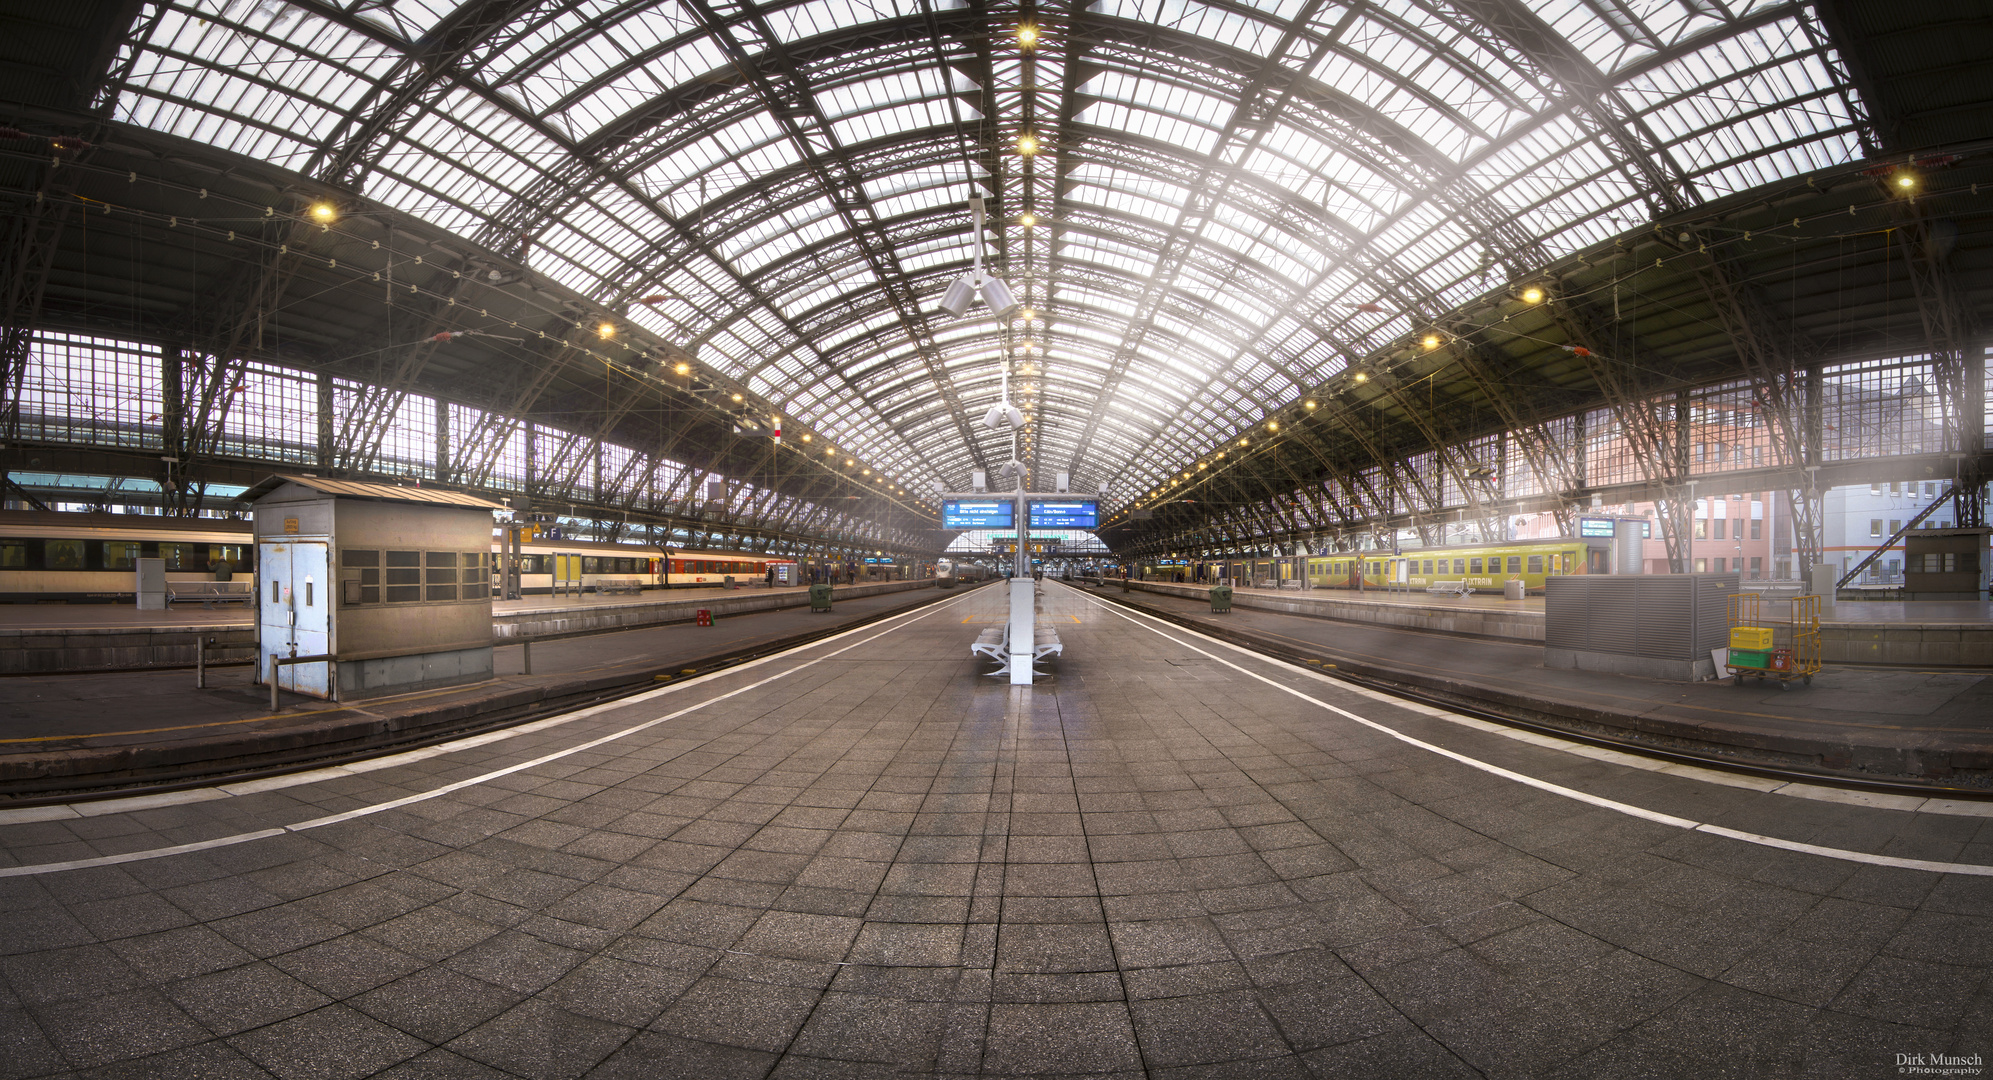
1605	527
1074	514
979	514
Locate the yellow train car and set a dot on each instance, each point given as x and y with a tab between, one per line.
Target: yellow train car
1481	567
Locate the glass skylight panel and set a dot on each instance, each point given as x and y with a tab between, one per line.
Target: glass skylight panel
813	17
1195	138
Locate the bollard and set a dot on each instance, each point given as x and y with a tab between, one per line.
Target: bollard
201	662
526	653
273	682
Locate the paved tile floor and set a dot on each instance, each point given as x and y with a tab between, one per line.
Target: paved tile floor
882	864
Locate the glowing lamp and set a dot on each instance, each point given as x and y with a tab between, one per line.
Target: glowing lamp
1532	295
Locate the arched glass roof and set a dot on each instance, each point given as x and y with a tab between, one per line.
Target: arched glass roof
1230	201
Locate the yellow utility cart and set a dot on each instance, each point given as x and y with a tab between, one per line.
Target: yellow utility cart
1762	647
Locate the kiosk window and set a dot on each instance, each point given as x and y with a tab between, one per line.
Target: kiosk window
404	575
441	575
477	580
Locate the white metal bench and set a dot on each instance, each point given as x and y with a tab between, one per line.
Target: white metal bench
994	644
619	585
991	643
210	593
1450	588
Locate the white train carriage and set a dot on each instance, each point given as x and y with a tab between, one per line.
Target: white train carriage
74	558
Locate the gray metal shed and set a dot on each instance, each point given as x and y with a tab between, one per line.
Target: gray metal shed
390	585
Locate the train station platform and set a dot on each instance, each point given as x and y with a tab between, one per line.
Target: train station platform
1914	633
1879	722
46	638
862	858
108	730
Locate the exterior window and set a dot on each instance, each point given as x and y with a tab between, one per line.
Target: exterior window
440	575
1757	528
591	564
1428	567
1895	487
13	554
1515	564
1717	525
1875	489
404	577
1895	526
1536	564
1757	567
1702	528
1875	527
1702	566
1474	566
63	555
1930	488
1719	566
120	554
186	557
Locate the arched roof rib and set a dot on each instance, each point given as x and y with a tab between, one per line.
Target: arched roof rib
778	171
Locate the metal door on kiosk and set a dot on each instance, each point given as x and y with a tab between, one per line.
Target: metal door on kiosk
294	615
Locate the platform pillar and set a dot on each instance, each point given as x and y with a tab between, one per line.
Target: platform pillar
1023	627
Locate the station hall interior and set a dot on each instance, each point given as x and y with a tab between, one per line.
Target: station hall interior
1126	538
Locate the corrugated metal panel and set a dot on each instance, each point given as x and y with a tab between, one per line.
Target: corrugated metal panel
362	490
1659	617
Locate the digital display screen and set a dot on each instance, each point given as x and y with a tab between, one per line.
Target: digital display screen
990	514
1603	527
1075	514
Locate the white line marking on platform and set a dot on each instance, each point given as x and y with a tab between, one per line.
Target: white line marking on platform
1798	789
198	795
1630	810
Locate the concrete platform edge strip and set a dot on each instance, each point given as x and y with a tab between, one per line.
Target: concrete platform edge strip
1628	809
49	813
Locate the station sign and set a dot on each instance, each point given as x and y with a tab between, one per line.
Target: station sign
1065	514
1604	527
978	514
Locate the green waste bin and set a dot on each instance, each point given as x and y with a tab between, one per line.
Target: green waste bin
1221	598
820	597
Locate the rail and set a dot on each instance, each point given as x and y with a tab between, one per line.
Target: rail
278	660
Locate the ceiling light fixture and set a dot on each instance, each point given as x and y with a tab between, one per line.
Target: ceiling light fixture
1532	295
324	212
